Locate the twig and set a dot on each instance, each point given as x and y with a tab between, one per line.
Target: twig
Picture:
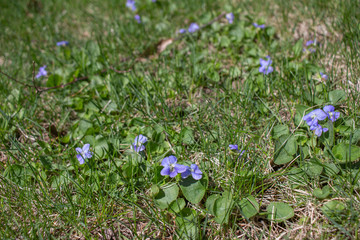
14	79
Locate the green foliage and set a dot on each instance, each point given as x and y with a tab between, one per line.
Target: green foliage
344	153
322	193
194	190
279	212
191	99
166	195
249	207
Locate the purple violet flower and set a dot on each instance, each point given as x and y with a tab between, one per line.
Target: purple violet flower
182	30
62	43
330	111
42	72
137	18
230	17
265	67
234	147
308	43
131	5
171	168
193	27
314	116
323	76
194	170
318	129
262	26
83	153
138	144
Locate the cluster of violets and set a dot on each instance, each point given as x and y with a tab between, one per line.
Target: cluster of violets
312	118
171	167
192	28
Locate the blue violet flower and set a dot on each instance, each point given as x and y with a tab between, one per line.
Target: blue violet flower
262	26
138	144
230	17
314	116
318	129
194	170
62	43
193	27
171	168
137	18
83	153
265	67
42	72
330	111
131	5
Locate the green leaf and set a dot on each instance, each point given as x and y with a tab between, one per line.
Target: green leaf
322	193
54	80
333	208
155	189
223	207
249	207
210	203
225	41
101	146
237	33
194	190
285	148
280	130
331	169
336	96
187	136
313	168
278	211
282	158
167	194
186	223
341	152
356	136
177	205
297	177
300	113
298	48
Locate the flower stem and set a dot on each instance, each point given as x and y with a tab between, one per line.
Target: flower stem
331	133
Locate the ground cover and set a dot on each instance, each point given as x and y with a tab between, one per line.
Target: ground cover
179	119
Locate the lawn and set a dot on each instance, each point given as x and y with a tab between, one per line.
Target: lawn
168	119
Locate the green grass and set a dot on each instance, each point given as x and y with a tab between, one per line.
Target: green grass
202	93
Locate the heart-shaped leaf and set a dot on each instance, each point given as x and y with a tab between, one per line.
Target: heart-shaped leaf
322	193
223	207
194	190
249	207
186	223
278	211
166	196
210	203
177	205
